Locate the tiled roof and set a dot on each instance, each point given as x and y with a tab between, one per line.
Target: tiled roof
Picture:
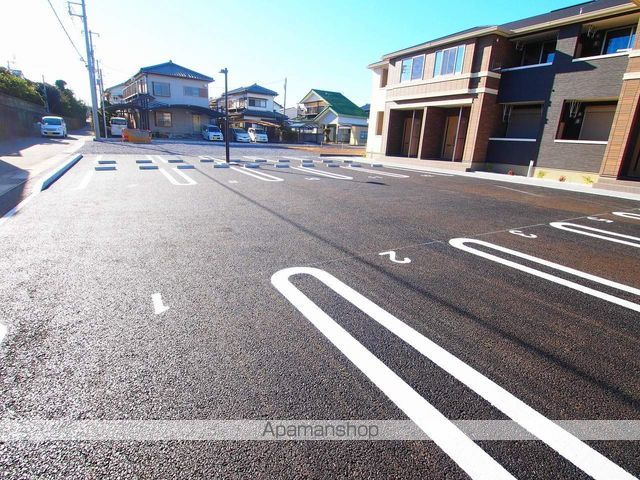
255	88
340	104
171	69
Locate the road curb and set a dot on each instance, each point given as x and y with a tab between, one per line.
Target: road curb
59	172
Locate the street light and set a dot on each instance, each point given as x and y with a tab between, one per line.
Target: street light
225	71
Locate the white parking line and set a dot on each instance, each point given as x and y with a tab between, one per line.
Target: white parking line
430	172
377	172
634	216
607	235
519	191
468	455
190	181
88	176
313	171
265	177
460	243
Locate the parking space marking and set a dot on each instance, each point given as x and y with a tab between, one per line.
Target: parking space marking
634	216
464	451
88	176
392	257
519	191
596	219
461	243
429	172
468	455
602	234
158	306
265	177
520	233
189	181
377	172
321	173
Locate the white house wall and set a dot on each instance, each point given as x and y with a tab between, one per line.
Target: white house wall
177	92
378	98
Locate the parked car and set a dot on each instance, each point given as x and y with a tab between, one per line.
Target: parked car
117	124
258	135
212	133
53	127
240	135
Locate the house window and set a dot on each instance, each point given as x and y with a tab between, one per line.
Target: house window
384	76
619	40
412	68
538	52
586	121
449	61
163	119
379	122
258	102
161	89
193	91
523	121
606	42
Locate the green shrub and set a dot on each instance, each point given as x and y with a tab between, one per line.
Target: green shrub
19	87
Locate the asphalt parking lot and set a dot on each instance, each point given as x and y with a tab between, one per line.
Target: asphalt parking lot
149	283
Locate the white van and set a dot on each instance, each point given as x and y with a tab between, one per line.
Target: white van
117	124
258	135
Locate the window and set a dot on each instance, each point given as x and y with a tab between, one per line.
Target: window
586	121
195	92
258	102
163	119
539	52
606	42
412	68
379	122
619	40
523	121
449	61
161	89
384	76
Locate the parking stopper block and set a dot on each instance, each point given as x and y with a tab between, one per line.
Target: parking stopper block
282	165
376	165
148	167
333	165
106	162
186	166
144	161
308	164
252	165
175	160
206	160
101	168
221	165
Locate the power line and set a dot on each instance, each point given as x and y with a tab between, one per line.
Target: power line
66	33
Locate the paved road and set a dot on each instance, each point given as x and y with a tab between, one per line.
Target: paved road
428	330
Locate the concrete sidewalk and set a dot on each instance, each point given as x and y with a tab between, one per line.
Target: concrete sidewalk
458	169
24	160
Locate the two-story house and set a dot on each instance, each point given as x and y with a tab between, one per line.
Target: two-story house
554	95
114	93
168	99
252	106
334	115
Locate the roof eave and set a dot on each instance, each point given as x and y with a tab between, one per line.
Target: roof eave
583	17
446	40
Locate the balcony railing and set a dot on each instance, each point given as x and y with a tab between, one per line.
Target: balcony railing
136	87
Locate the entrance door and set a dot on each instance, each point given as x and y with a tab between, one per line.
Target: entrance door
196	123
449	140
634	166
411	135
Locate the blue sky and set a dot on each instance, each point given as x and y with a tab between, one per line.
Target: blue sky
325	44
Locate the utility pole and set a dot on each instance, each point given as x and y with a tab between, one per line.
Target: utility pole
225	71
90	65
101	87
46	95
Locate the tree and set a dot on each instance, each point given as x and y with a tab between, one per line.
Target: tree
19	87
61	84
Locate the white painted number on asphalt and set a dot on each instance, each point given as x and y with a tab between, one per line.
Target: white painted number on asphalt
158	306
392	257
596	219
635	216
233	181
520	233
311	179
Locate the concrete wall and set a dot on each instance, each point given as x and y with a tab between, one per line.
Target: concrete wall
18	118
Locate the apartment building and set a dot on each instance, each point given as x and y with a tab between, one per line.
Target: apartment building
554	95
168	99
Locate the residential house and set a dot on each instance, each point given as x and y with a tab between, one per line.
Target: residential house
114	94
557	92
168	99
253	106
333	115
